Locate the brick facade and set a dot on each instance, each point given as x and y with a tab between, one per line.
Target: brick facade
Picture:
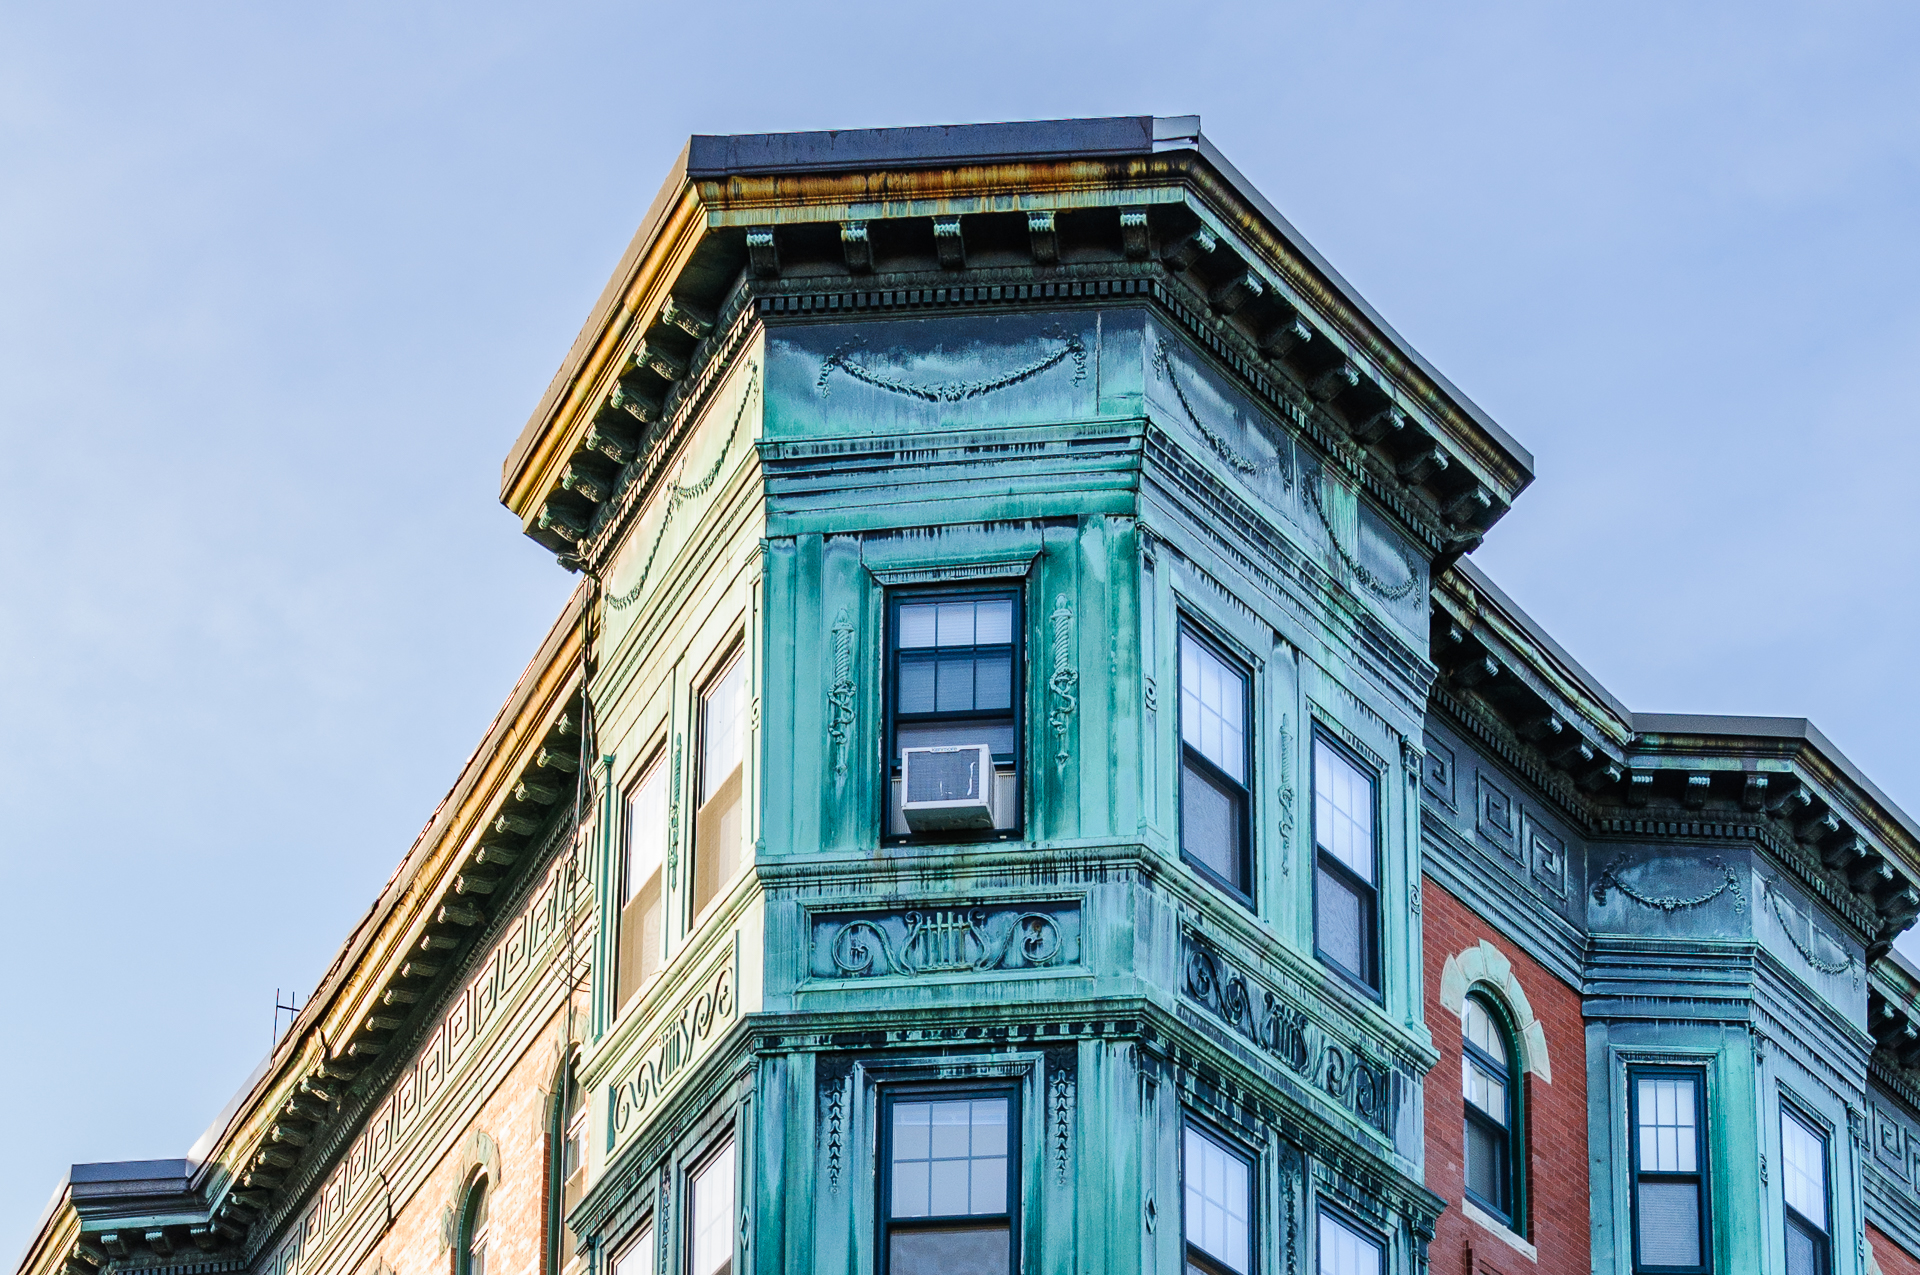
1556	1113
1892	1259
515	1115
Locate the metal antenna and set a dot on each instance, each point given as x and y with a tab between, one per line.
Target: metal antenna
292	1010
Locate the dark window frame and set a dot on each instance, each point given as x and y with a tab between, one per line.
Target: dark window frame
1200	1259
733	651
1822	1237
1187	626
1514	1136
1698	1075
1371	983
631	1241
891	716
883	1176
566	1084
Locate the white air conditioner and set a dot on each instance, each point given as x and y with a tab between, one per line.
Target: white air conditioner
943	788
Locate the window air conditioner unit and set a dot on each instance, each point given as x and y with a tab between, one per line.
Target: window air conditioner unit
945	788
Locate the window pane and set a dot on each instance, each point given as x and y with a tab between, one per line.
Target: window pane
1803	1162
916	624
969	1250
993	681
1345	1251
723	727
1667	1135
1487	1164
637	1258
646	831
1340	924
1213	708
1210	824
1669	1224
954	693
916	683
1218	1219
996	735
713	1215
1484	1090
1803	1249
956	624
994	622
1343	811
949	1157
1480	1029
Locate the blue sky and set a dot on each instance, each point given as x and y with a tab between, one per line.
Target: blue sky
279	285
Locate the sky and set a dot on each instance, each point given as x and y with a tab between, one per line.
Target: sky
279	286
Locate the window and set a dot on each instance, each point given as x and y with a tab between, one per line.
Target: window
1345	905
1669	1171
1219	1210
1345	1249
473	1231
950	1181
717	833
637	1257
569	1135
1803	1183
1215	809
955	667
1493	1113
710	1210
642	889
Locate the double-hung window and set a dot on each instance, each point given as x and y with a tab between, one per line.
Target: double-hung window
710	1213
717	833
1346	1249
1493	1113
953	698
1219	1208
1346	920
642	891
1216	709
950	1184
1803	1184
572	1162
1670	1223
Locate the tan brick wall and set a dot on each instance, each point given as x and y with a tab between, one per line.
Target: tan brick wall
515	1115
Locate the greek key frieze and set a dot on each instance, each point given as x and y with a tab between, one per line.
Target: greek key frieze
945	940
1361	1084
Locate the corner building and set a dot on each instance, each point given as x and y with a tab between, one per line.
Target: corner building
1030	781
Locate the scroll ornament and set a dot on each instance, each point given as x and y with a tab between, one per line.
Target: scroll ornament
946	941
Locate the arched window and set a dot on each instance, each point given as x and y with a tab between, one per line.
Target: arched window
1490	1081
568	1139
473	1231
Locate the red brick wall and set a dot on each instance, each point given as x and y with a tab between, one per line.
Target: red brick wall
1893	1259
1558	1223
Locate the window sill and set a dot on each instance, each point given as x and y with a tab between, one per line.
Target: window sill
1498	1229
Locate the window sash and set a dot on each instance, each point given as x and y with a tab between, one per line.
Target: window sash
723	725
1345	1249
890	1225
1344	822
1664	1089
1217	1211
711	1210
1215	706
1367	936
1803	1169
